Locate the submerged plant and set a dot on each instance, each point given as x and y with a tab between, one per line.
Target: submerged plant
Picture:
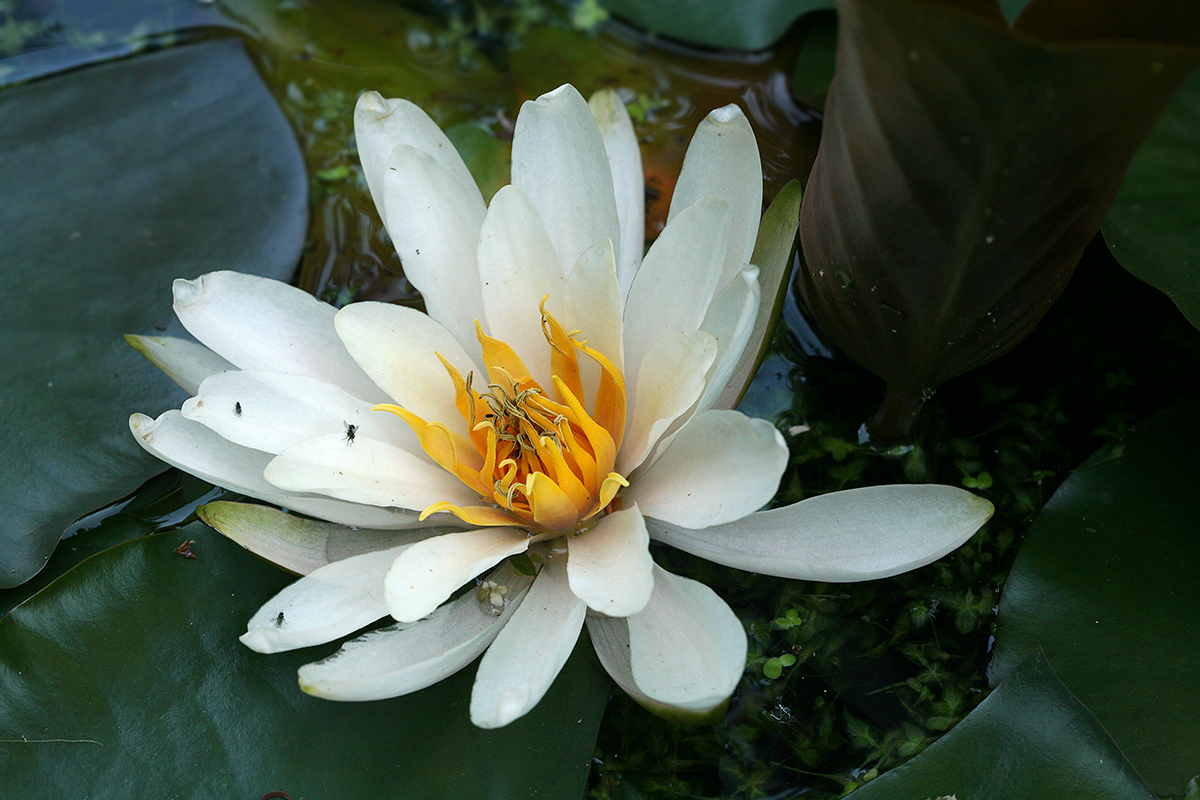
563	402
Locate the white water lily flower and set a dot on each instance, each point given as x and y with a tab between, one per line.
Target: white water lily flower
563	402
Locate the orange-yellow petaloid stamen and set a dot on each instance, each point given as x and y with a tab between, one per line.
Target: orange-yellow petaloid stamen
539	461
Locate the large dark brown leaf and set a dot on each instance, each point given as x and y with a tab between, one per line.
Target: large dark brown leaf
963	168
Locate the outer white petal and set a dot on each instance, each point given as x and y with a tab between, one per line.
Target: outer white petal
721	466
407	657
730	320
609	567
625	162
195	449
685	652
324	605
527	655
672	290
398	347
592	304
428	572
518	267
853	535
670	380
380	125
723	160
185	362
270	411
262	324
299	544
434	220
559	161
365	471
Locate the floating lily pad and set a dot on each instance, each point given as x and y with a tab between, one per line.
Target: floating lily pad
746	25
125	678
1106	585
1153	228
1030	739
119	178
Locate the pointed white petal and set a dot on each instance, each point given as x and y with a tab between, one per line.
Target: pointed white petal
195	449
270	411
730	320
398	347
592	305
382	124
518	267
410	656
527	655
428	572
723	160
262	324
721	466
609	566
331	602
773	256
625	162
670	380
299	544
853	535
434	220
186	362
678	278
558	160
682	656
364	470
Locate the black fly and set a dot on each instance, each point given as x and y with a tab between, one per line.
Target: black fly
237	409
279	620
351	430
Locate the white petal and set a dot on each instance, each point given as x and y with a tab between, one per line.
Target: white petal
721	466
592	304
399	347
730	320
773	256
380	125
527	655
609	566
672	290
363	470
428	572
685	652
270	411
185	362
723	160
262	324
558	160
625	162
434	220
331	602
410	656
670	380
518	267
853	535
195	449
299	544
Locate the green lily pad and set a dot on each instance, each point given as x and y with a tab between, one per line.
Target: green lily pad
1153	228
745	25
1106	585
125	677
119	178
1030	739
38	39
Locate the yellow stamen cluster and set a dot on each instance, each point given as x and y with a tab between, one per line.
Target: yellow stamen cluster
539	458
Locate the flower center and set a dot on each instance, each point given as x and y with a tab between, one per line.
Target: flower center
540	458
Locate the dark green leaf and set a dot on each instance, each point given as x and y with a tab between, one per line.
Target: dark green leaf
814	64
117	179
1154	226
1107	585
745	25
125	678
963	168
1030	739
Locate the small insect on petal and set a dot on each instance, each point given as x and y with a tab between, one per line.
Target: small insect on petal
351	430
